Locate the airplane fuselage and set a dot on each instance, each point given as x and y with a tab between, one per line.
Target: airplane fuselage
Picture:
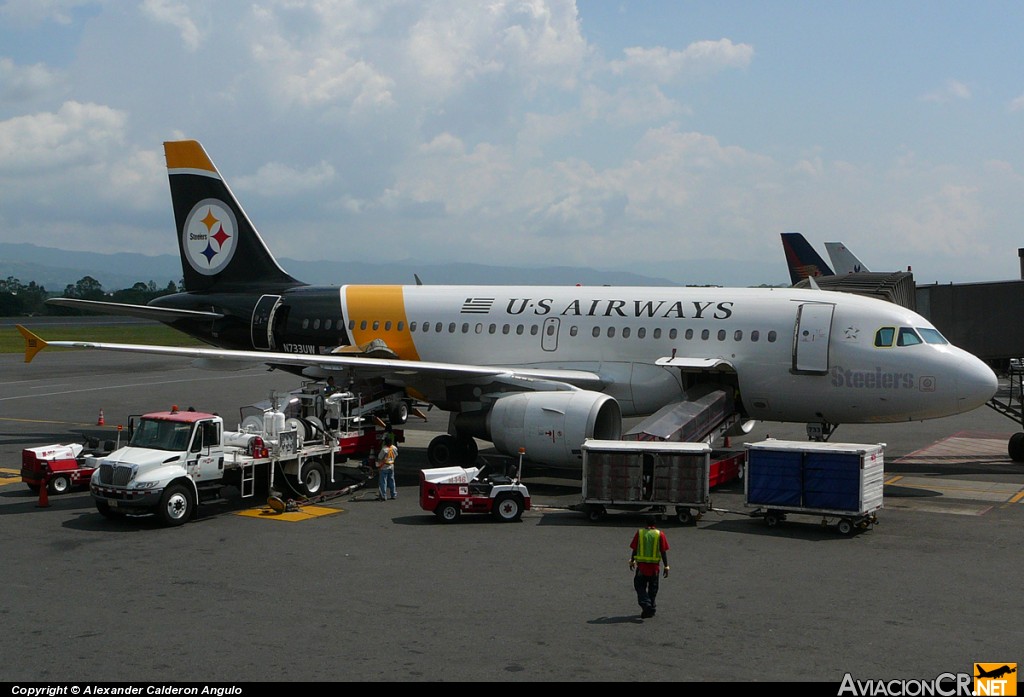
793	355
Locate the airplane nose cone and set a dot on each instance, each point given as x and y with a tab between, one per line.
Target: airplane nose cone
976	384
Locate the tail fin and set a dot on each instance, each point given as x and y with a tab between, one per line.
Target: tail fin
801	258
843	259
218	244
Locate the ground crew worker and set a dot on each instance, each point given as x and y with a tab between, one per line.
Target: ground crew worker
650	547
386	462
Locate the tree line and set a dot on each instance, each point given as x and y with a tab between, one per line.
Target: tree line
21	299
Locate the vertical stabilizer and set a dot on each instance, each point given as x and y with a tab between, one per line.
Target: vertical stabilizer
218	244
843	260
801	258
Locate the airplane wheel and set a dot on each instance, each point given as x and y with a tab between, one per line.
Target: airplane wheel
443	451
467	450
1015	448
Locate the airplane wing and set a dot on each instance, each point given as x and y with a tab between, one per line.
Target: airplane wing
395	370
162	314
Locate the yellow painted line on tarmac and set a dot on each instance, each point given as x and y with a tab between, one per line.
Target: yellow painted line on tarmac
8	476
304	513
893	480
46	421
1017	498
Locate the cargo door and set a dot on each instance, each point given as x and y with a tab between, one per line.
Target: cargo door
810	342
549	334
263	322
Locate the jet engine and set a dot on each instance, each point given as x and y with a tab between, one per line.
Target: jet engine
552	426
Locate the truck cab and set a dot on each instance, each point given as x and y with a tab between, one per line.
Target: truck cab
169	458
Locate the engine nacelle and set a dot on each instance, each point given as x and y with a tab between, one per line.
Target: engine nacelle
552	425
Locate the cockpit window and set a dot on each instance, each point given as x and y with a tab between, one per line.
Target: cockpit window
931	336
884	337
908	337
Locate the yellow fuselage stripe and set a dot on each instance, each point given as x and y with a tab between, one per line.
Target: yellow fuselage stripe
377	306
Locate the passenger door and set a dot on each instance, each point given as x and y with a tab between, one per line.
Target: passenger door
811	338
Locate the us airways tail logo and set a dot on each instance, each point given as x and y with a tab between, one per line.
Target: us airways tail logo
995	679
209	236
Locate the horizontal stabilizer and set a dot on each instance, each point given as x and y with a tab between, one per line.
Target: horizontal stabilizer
160	314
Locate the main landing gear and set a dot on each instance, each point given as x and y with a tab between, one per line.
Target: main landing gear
451	451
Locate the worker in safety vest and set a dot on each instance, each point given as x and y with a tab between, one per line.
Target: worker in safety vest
386	462
650	547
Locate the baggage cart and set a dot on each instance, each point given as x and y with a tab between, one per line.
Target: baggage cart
838	482
668	478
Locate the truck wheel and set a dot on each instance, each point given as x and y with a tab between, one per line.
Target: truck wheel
596	514
684	515
399	413
448	512
60	484
771	519
311	482
844	526
34	488
106	511
508	508
175	507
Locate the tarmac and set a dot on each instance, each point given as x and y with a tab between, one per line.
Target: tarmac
382	591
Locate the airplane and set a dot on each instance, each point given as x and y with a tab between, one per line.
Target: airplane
843	259
544	367
995	673
801	259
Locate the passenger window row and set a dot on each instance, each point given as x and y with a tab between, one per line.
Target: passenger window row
533	330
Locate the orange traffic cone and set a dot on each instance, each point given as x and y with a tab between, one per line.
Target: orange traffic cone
100	421
44	493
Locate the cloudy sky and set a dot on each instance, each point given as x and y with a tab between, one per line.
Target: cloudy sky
644	135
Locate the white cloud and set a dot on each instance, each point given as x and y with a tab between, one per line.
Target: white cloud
36	11
25	82
1017	104
953	89
178	15
699	59
279	180
74	133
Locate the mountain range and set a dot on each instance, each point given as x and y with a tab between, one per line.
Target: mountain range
55	269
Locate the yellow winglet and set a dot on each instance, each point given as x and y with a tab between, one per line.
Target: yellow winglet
33	343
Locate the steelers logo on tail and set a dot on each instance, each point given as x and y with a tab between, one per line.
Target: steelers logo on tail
209	236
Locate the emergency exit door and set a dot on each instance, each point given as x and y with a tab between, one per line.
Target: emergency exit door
549	334
811	339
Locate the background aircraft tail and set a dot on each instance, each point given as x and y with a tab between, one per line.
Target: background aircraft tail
843	259
219	245
801	258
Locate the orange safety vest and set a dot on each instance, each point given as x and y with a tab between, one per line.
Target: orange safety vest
648	545
390	453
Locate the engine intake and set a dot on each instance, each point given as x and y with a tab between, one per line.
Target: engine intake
551	426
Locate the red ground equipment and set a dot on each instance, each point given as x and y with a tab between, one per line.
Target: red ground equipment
448	492
70	466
